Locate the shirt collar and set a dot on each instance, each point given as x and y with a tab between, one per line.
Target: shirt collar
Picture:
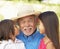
31	36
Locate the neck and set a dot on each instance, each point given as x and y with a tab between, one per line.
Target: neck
34	32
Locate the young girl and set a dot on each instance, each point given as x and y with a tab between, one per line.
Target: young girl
49	26
8	32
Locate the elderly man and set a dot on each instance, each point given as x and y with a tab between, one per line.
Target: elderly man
29	34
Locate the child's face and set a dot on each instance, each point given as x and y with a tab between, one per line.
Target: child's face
41	27
16	30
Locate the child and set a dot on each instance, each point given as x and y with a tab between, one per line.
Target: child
49	25
8	32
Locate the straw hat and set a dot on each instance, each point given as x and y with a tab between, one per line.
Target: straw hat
25	10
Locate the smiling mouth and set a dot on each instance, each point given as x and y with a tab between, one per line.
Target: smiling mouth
28	29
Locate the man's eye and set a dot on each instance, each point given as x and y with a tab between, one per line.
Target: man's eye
23	22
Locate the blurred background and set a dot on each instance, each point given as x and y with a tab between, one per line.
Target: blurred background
8	8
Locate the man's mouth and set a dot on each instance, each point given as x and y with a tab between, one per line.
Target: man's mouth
28	29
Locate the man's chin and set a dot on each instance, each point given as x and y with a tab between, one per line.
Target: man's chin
28	34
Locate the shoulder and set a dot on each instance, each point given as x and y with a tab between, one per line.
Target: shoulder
3	44
18	44
49	44
18	41
14	46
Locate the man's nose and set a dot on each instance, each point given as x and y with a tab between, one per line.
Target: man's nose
27	24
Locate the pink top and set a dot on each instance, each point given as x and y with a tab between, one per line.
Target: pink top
42	45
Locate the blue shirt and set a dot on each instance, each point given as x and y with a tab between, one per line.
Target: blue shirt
32	41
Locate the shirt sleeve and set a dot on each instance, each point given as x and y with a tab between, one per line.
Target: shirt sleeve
42	45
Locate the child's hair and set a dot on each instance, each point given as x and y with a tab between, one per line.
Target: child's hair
6	29
51	24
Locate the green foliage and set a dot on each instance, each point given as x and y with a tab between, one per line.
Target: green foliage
26	0
12	0
40	0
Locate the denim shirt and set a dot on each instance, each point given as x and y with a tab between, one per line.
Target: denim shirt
32	41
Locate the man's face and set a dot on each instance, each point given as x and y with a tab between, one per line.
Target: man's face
27	25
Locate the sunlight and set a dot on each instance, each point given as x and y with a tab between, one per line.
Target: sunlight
8	10
52	1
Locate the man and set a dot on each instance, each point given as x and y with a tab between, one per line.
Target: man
29	34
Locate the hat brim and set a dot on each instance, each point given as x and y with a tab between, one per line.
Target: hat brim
25	15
